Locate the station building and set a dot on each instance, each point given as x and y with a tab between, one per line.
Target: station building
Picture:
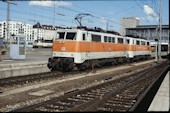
128	22
150	32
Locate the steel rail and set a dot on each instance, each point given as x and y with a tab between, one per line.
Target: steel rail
142	96
130	83
95	101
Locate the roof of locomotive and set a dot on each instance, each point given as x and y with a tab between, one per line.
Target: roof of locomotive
75	29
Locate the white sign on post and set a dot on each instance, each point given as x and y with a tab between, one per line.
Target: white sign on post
17	47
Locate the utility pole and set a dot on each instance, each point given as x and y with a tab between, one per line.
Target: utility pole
8	9
107	25
54	16
8	19
160	29
37	27
156	50
38	31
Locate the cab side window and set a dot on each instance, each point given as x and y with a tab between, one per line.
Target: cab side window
84	37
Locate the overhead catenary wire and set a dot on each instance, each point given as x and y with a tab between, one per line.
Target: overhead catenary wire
42	16
73	10
71	17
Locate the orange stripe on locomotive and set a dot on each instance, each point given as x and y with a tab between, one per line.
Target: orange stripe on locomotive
78	46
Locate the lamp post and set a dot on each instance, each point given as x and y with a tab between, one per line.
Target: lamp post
156	50
54	16
160	28
38	25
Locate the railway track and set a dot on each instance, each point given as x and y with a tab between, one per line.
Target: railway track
22	80
115	95
29	79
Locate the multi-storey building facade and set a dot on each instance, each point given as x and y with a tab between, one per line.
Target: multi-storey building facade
44	32
16	28
31	32
128	22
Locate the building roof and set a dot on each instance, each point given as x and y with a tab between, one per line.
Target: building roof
97	29
148	27
136	18
48	27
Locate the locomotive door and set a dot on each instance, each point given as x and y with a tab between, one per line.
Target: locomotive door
86	36
127	47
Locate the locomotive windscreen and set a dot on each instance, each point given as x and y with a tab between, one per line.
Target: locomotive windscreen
61	35
71	36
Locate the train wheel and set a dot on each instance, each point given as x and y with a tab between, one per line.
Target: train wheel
53	69
129	60
82	67
66	68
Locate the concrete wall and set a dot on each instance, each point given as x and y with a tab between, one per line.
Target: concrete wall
20	69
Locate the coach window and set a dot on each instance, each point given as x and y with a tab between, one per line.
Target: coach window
120	40
105	38
148	43
113	39
142	43
71	36
84	37
109	39
137	42
96	38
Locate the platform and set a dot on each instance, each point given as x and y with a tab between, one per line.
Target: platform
35	62
161	99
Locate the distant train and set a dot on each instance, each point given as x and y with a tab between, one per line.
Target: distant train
165	49
42	43
84	48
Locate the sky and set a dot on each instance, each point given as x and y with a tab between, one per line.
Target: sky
101	13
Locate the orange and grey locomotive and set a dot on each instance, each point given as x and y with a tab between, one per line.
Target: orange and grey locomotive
83	48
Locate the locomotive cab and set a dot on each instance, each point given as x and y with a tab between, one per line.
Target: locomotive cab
66	49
